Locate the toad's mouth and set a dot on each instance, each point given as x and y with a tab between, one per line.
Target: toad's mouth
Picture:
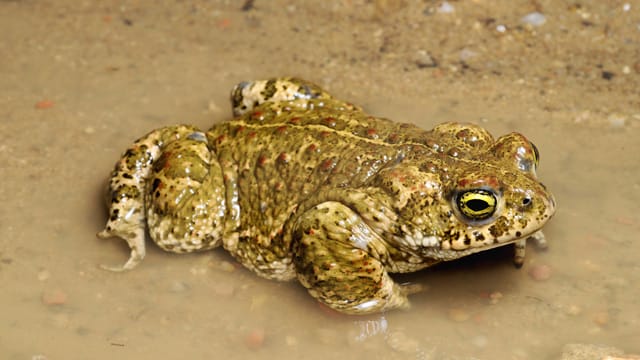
448	254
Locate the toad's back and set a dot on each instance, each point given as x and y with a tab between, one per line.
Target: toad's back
283	156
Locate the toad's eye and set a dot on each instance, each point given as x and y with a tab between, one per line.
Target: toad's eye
476	204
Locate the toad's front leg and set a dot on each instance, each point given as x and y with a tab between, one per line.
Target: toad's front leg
340	260
520	246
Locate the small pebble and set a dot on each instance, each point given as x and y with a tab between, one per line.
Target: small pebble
54	297
616	120
601	318
534	19
445	8
458	315
423	59
540	272
574	310
255	339
43	275
608	75
44	104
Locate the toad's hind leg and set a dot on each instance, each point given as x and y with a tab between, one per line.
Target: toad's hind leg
137	178
248	95
186	197
340	260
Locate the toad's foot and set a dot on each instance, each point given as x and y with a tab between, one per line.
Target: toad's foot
539	240
520	246
246	95
340	260
134	239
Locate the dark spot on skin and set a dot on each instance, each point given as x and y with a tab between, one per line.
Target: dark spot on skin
127	176
156	183
114	215
269	89
518	234
494	231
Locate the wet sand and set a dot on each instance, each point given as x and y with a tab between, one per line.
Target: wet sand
82	80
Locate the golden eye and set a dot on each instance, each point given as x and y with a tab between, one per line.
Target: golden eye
477	204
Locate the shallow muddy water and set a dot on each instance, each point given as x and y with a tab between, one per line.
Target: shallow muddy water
79	81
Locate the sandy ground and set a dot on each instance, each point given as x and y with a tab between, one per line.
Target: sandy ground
80	80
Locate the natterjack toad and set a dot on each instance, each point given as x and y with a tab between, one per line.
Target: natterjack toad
303	185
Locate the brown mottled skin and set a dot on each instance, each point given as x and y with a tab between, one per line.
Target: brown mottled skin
303	185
